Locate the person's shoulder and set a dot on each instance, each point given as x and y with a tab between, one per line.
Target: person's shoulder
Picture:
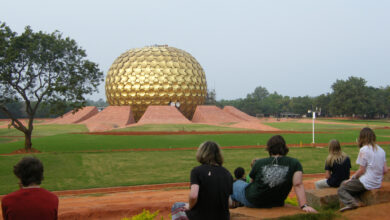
224	169
292	159
364	148
10	196
262	160
197	168
380	148
45	191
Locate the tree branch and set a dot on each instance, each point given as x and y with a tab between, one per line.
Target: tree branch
14	121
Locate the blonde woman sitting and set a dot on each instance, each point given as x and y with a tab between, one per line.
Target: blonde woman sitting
337	167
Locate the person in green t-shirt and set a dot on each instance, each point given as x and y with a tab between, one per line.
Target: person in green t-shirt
272	179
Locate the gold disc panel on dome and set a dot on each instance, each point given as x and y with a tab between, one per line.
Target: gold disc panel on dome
156	75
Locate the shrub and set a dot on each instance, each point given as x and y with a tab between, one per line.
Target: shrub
145	215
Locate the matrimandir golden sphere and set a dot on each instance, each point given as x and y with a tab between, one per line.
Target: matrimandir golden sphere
156	75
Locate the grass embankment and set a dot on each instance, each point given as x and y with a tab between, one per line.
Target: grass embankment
382	123
64	171
85	142
179	127
12	134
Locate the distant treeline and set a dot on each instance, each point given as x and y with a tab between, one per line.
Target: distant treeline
18	109
349	98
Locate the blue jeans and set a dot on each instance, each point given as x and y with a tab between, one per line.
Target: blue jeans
178	211
239	193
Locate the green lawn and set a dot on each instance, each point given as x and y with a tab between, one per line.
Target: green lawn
296	126
46	130
179	127
68	166
363	122
91	170
85	142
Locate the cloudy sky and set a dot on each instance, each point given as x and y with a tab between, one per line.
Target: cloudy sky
293	47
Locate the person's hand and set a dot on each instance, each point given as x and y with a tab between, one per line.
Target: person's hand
187	206
309	209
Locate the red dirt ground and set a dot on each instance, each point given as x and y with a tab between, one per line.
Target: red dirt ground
120	202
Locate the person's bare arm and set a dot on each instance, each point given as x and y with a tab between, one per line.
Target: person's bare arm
300	192
193	198
327	174
359	172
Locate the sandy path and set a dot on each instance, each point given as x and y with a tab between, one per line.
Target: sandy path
119	202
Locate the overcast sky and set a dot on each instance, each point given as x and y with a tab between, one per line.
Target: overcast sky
293	47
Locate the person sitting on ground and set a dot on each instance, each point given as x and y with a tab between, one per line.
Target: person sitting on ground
30	201
239	173
211	186
272	179
337	167
372	167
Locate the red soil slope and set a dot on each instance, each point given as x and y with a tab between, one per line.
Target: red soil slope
239	114
76	117
163	115
110	118
211	114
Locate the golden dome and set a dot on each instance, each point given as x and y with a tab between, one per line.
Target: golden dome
156	75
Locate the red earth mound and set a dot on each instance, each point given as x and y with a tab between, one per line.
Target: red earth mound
163	115
211	114
76	117
110	118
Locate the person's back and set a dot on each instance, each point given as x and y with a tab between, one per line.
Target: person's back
272	181
339	172
215	186
374	158
30	203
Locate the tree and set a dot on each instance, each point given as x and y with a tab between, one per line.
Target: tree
300	105
323	102
210	97
38	67
350	97
259	94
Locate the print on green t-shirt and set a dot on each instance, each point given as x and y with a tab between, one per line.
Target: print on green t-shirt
272	181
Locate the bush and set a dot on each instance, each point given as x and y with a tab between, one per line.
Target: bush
145	215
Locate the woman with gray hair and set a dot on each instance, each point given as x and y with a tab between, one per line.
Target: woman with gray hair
211	185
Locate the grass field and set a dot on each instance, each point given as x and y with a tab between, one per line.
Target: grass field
179	127
91	170
68	167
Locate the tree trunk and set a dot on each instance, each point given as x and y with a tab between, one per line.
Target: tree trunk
27	141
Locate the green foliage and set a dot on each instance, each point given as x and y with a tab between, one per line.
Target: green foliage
210	97
292	201
145	215
349	97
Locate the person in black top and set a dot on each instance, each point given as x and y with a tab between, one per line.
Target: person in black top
211	185
337	167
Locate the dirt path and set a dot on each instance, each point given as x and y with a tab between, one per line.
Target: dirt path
120	202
